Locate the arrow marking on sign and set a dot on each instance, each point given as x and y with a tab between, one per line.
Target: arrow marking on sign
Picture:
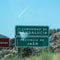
23	35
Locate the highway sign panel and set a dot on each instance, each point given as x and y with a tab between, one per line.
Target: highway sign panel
33	30
26	36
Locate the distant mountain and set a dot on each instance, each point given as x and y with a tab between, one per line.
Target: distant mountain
3	36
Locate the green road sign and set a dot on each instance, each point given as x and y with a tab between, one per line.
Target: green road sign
28	36
37	42
33	30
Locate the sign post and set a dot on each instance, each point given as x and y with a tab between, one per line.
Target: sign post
31	36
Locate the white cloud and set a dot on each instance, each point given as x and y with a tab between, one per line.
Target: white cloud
24	11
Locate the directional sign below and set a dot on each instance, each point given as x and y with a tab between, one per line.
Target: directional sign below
37	42
28	36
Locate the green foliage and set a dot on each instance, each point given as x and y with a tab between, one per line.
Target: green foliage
12	43
46	55
0	54
27	52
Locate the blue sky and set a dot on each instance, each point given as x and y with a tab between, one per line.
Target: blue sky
28	12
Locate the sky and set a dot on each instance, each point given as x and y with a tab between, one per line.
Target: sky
28	12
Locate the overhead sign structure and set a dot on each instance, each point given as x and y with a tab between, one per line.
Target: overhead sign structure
4	42
29	36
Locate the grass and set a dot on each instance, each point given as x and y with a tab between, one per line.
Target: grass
47	55
43	56
13	58
56	56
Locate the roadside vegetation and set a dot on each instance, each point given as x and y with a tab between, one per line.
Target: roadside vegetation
50	53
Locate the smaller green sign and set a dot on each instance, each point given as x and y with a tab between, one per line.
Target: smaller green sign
42	41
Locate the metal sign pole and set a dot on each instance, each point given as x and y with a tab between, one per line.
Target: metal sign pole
19	54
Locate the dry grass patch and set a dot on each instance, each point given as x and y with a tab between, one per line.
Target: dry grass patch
56	57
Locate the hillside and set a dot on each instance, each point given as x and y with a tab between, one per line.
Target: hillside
3	36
